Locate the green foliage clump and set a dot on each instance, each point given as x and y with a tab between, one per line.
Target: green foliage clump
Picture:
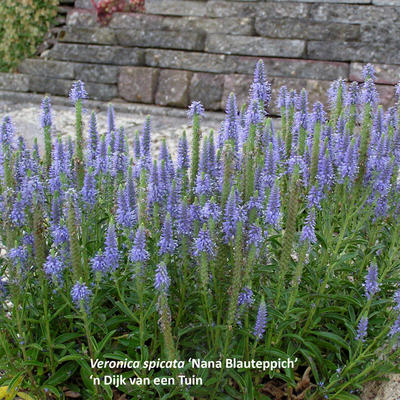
265	262
23	24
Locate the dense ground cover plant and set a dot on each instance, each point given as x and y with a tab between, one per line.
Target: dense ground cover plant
258	243
23	25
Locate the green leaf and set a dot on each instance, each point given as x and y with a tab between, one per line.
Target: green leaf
70	357
103	343
331	336
249	389
126	311
85	375
66	337
52	389
211	381
349	299
59	310
118	355
346	396
237	378
25	396
13	386
311	362
232	392
62	374
34	363
108	391
35	346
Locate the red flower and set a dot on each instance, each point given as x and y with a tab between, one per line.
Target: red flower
105	8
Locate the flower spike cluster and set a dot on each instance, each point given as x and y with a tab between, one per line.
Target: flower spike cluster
194	235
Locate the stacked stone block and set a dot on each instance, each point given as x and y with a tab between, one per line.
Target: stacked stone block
184	50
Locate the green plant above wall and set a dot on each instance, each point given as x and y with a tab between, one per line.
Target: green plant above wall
23	25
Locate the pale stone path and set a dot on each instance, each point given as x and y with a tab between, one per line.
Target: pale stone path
166	123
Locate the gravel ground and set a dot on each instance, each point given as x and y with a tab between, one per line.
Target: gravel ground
25	117
386	390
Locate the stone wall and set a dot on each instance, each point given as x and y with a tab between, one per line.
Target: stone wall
184	50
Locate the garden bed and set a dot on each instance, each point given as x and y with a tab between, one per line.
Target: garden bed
270	254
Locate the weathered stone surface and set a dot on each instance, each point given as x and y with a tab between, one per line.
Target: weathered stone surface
96	91
332	1
385	2
254	46
138	21
208	89
354	51
176	7
370	390
294	28
281	10
95	73
238	84
96	54
52	86
173	33
186	60
81	18
317	90
230	9
286	67
385	74
173	88
381	32
232	26
51	69
99	35
145	36
68	70
245	64
14	82
386	95
138	84
237	9
356	14
382	390
99	91
161	39
84	4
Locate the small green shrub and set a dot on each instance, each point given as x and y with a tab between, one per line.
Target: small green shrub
23	24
